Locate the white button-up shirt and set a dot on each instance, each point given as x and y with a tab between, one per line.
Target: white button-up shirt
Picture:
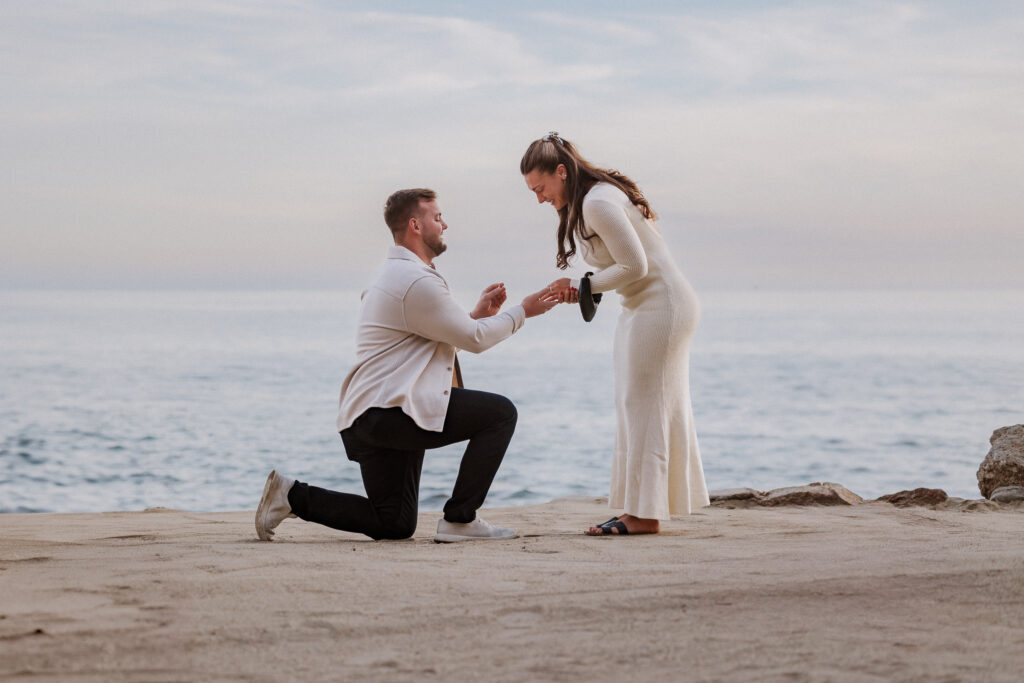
409	328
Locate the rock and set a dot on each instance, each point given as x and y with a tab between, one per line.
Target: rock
978	505
1008	494
818	493
733	494
904	499
1004	464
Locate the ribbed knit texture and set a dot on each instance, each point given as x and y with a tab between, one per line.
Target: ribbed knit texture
656	468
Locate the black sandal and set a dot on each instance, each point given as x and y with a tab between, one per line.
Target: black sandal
620	527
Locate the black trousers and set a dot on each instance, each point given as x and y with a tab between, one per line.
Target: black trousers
389	448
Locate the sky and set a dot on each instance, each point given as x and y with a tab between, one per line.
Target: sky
248	144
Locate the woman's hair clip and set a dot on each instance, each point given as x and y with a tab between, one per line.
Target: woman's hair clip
553	137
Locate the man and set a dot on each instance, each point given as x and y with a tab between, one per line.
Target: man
405	394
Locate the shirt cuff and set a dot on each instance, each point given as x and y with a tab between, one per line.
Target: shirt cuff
518	314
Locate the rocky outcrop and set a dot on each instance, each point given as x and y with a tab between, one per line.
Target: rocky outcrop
818	493
829	493
905	499
734	494
1008	494
1004	464
974	505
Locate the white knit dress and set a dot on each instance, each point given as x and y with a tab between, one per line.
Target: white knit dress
656	470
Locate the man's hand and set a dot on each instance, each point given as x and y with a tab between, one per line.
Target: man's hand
562	288
540	302
490	301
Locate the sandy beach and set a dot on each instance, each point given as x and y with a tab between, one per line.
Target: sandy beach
860	593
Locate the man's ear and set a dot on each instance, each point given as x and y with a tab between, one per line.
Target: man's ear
413	225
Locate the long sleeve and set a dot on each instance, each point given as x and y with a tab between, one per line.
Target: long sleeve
431	312
609	221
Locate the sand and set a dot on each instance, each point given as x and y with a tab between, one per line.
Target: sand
860	593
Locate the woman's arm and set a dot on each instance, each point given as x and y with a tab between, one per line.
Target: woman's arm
608	219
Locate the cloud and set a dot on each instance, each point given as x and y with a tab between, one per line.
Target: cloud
295	54
134	130
611	32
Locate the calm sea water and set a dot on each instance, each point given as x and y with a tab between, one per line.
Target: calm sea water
128	400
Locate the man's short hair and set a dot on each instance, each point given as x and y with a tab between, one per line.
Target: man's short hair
402	205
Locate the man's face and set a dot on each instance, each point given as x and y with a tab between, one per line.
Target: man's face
432	227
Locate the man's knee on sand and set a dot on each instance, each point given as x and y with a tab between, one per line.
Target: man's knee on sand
396	529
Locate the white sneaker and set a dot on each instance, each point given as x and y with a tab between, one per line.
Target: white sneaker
274	507
477	530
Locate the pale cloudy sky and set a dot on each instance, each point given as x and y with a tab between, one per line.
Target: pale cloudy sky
219	143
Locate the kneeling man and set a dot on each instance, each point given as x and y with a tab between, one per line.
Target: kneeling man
405	394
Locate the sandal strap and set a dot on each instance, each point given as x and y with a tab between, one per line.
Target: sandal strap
617	525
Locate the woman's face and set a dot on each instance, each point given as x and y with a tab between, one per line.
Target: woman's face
549	187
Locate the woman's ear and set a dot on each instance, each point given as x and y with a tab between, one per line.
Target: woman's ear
561	171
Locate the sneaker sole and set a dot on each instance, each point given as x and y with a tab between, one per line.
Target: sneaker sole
261	512
454	538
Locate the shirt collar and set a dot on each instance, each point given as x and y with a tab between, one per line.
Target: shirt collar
400	252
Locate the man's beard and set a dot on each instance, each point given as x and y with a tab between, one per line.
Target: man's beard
437	246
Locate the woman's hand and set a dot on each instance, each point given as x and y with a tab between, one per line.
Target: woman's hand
562	289
490	301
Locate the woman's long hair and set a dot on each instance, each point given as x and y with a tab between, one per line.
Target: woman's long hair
545	155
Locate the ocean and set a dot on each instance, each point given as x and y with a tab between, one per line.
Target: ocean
186	399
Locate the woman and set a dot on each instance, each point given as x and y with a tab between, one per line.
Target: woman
657	469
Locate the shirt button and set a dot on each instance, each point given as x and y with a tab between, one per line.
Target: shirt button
445	392
449	368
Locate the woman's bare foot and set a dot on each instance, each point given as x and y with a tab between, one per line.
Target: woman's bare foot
634	525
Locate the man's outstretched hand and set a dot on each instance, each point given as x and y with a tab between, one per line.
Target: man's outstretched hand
540	302
490	301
